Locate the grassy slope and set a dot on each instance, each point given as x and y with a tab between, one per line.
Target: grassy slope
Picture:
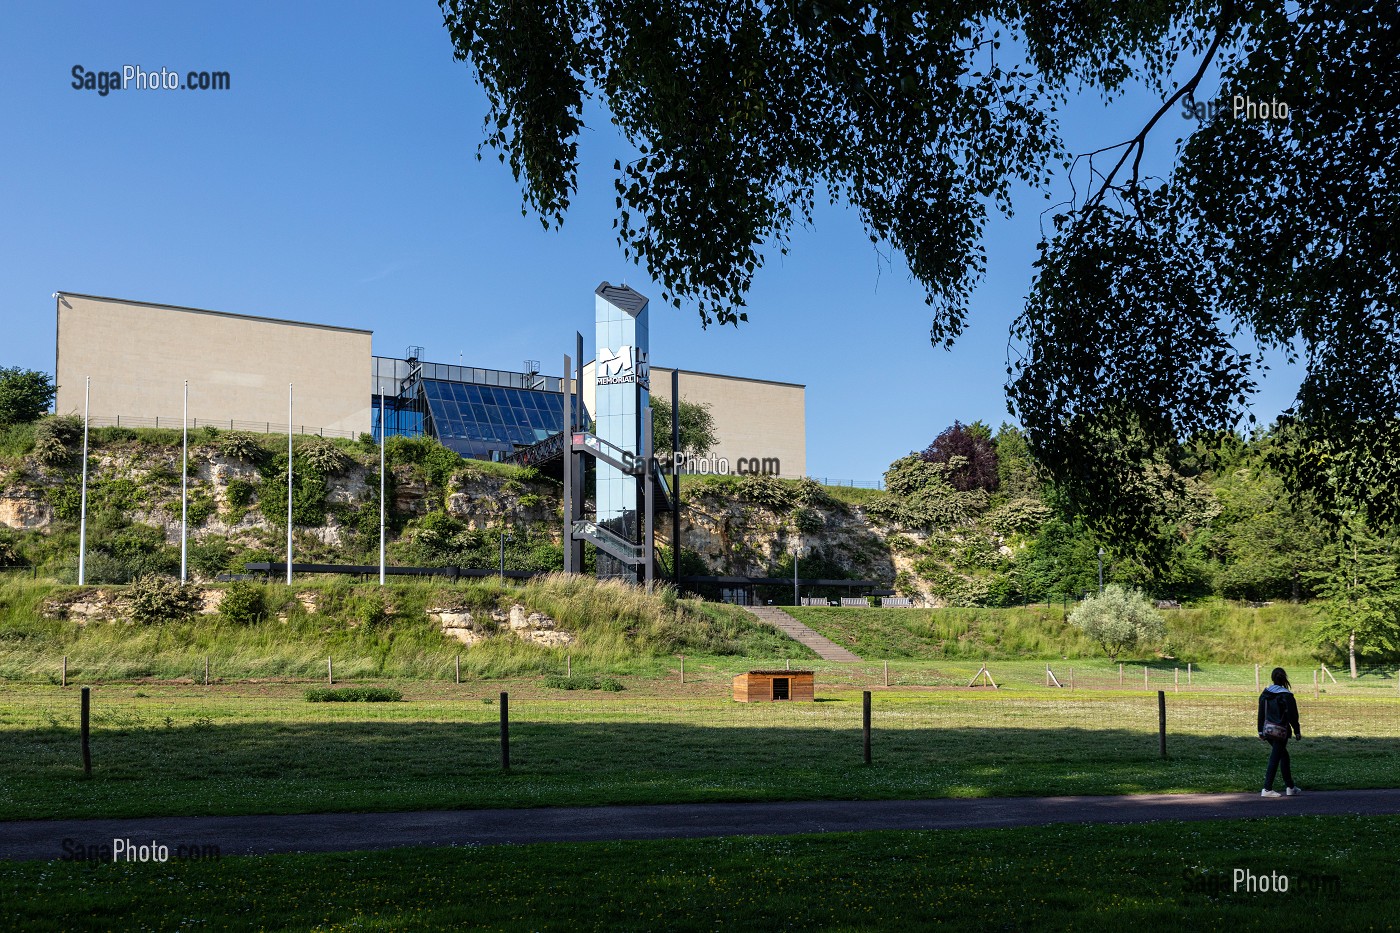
1277	634
620	630
191	750
1144	878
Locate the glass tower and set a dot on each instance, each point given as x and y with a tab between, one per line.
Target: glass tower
622	374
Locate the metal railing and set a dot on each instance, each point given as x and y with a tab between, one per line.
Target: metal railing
223	424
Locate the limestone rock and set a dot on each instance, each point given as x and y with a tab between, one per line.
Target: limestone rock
547	637
25	512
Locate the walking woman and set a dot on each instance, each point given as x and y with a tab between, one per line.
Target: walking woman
1278	719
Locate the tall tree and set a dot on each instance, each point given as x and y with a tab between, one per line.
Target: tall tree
1362	589
25	395
697	426
973	443
1280	230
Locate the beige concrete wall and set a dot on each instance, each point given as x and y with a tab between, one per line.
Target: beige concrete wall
138	356
755	420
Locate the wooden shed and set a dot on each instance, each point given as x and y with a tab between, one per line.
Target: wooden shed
768	686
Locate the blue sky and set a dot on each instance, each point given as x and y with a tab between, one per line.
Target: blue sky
336	182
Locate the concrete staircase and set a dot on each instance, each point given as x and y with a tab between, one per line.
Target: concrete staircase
825	648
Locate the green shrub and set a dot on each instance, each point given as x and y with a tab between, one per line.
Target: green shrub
240	493
353	695
240	445
212	555
56	439
323	456
162	599
200	507
17	440
1119	619
560	682
244	603
438	462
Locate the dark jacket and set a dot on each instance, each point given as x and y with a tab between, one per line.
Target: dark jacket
1277	705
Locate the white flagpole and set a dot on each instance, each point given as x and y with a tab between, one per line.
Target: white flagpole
383	437
289	484
82	508
185	488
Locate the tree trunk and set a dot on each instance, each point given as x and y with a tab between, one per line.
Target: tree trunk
1351	651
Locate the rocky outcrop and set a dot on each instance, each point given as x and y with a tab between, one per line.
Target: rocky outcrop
25	510
471	629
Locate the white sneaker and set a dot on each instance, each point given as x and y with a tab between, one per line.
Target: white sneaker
1293	791
1269	793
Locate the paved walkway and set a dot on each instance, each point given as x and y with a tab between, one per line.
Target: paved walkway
825	648
348	832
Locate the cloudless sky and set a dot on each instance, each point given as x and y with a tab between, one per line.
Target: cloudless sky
337	182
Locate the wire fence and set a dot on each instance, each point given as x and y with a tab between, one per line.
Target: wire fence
223	424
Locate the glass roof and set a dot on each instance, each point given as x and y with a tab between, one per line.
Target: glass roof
475	420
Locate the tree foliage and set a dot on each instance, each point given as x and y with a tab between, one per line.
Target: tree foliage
973	443
697	433
25	395
1119	620
1276	233
1361	585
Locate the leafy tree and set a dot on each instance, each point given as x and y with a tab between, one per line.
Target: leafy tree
1016	475
25	395
1119	620
919	495
1362	592
697	426
1265	545
1280	231
973	443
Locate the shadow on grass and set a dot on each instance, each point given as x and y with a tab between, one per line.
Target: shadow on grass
312	767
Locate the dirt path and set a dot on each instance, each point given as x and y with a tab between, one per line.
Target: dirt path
347	832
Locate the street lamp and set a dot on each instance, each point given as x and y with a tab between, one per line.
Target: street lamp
796	546
1100	571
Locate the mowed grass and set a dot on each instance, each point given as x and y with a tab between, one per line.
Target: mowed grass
194	750
1166	876
1216	633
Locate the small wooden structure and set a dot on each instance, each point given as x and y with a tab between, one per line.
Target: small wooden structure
768	686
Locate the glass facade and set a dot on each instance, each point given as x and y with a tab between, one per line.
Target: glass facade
477	421
621	371
480	413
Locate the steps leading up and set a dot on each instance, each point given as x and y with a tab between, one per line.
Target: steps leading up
825	648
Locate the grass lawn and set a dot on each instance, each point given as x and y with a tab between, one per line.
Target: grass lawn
264	749
1163	876
1215	633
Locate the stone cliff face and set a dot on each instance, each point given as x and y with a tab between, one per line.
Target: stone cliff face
748	527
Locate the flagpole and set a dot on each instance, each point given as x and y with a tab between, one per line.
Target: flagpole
82	508
383	438
289	484
185	488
